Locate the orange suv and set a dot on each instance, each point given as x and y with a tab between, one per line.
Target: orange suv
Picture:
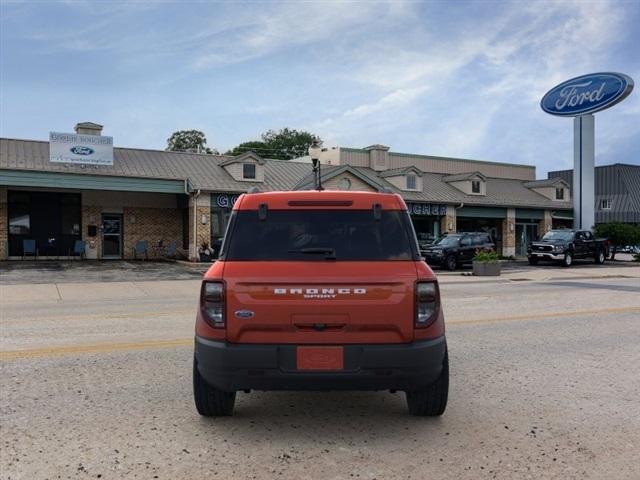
320	290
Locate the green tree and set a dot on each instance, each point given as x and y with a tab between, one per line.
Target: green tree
188	141
255	146
619	234
283	144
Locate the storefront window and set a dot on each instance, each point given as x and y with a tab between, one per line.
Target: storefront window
70	214
19	217
51	219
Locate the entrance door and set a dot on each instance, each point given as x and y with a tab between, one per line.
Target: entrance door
111	235
525	234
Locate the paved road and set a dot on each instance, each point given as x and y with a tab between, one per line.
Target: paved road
545	382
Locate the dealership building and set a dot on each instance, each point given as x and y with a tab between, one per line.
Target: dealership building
79	187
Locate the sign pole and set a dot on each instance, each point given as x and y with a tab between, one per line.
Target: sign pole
583	172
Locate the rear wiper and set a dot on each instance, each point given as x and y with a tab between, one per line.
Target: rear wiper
330	253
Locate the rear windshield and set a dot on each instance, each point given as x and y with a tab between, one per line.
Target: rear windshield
320	235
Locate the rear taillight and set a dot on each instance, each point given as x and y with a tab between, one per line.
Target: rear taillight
427	303
212	303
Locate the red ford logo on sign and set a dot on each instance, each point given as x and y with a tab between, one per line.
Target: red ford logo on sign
587	94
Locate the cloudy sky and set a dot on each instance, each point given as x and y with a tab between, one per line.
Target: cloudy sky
449	78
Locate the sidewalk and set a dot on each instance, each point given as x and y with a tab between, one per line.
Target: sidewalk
97	291
517	273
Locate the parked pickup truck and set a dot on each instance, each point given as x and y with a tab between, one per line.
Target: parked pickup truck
564	246
320	290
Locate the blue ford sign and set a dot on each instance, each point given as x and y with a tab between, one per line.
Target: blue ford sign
79	150
587	94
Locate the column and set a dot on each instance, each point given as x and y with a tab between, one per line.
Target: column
545	224
448	222
583	172
509	234
200	216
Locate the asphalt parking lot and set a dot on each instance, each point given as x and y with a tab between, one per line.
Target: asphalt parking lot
545	381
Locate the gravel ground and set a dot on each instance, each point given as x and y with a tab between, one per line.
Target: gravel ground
545	382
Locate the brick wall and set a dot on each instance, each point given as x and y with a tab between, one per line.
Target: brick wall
4	225
152	225
545	224
91	215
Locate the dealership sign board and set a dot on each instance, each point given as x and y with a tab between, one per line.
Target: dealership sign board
587	94
579	98
80	149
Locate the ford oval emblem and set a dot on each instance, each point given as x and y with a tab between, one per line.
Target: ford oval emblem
587	94
79	150
244	314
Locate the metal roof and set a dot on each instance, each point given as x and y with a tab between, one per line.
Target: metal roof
459	177
203	171
619	183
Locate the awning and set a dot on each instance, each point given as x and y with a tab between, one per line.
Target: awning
29	178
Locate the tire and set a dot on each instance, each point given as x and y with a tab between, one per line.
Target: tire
600	257
211	402
533	261
450	263
567	261
432	401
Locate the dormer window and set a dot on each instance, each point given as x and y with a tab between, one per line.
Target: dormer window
560	193
411	182
475	186
249	171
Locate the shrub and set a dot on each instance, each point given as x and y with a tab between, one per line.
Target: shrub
485	257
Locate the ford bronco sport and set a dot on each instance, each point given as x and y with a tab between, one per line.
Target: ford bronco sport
320	290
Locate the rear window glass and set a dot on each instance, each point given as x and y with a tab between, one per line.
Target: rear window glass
309	235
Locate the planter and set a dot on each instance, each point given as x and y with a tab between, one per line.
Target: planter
486	269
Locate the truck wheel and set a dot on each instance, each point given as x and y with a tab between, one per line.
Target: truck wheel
211	402
600	257
533	261
432	401
567	260
450	263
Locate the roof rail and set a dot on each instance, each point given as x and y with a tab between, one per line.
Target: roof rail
253	190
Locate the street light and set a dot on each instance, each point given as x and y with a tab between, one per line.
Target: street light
314	153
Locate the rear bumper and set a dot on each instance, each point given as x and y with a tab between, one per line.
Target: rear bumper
231	367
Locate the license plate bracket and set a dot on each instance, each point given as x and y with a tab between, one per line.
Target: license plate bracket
320	358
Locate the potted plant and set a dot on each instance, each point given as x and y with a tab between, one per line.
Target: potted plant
486	264
205	252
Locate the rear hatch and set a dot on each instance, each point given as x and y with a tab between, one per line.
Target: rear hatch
320	276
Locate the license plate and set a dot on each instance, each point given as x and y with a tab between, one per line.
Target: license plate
320	358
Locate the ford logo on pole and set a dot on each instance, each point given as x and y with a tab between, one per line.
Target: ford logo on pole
78	150
587	94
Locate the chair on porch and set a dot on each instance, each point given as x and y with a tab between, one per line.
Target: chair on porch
78	250
141	248
29	248
172	249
